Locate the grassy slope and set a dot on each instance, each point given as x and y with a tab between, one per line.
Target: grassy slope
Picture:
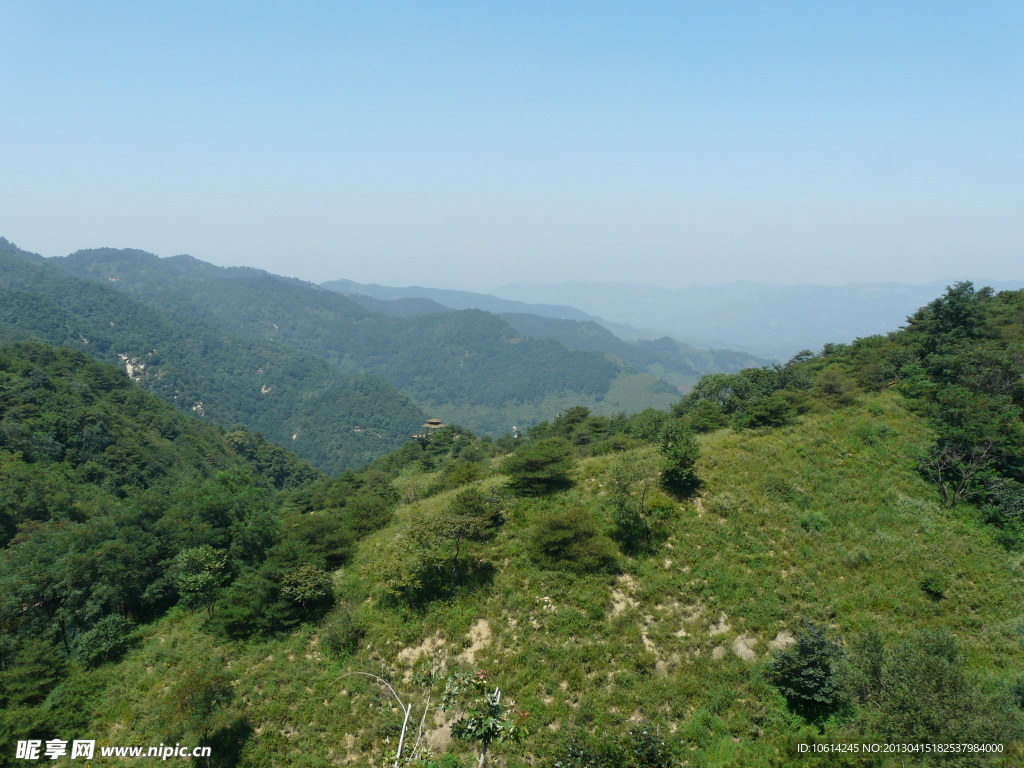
738	565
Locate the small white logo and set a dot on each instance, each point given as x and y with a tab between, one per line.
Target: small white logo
28	750
83	749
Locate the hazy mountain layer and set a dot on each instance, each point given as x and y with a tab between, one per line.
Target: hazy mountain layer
455	299
767	320
676	362
666	358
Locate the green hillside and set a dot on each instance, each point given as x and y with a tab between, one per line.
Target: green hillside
334	419
833	559
468	359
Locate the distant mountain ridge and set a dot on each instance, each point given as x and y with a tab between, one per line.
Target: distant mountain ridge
456	299
765	319
678	363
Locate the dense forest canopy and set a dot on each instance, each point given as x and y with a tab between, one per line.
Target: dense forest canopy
333	418
470	359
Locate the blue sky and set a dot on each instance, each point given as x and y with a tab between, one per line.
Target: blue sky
473	144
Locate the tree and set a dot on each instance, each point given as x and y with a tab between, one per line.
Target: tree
680	451
425	561
807	674
198	701
489	721
707	416
953	468
469	516
958	314
637	504
540	467
199	575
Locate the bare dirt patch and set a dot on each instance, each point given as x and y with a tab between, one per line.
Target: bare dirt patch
429	647
479	638
743	646
782	640
721	627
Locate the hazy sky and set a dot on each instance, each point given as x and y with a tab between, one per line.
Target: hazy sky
472	144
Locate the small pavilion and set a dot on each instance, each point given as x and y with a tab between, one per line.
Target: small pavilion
430	428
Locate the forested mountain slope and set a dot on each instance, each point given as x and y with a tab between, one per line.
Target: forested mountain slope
332	418
470	366
673	361
677	363
113	508
826	552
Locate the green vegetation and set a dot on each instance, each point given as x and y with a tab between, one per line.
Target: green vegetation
333	419
542	466
679	364
807	674
463	365
814	580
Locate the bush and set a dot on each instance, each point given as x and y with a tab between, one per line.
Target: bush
807	674
680	451
541	467
456	474
639	749
813	522
834	387
107	641
341	639
920	691
569	540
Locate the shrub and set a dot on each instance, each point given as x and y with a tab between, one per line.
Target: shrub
341	639
107	641
814	522
541	467
637	749
456	474
569	540
934	585
920	691
834	387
